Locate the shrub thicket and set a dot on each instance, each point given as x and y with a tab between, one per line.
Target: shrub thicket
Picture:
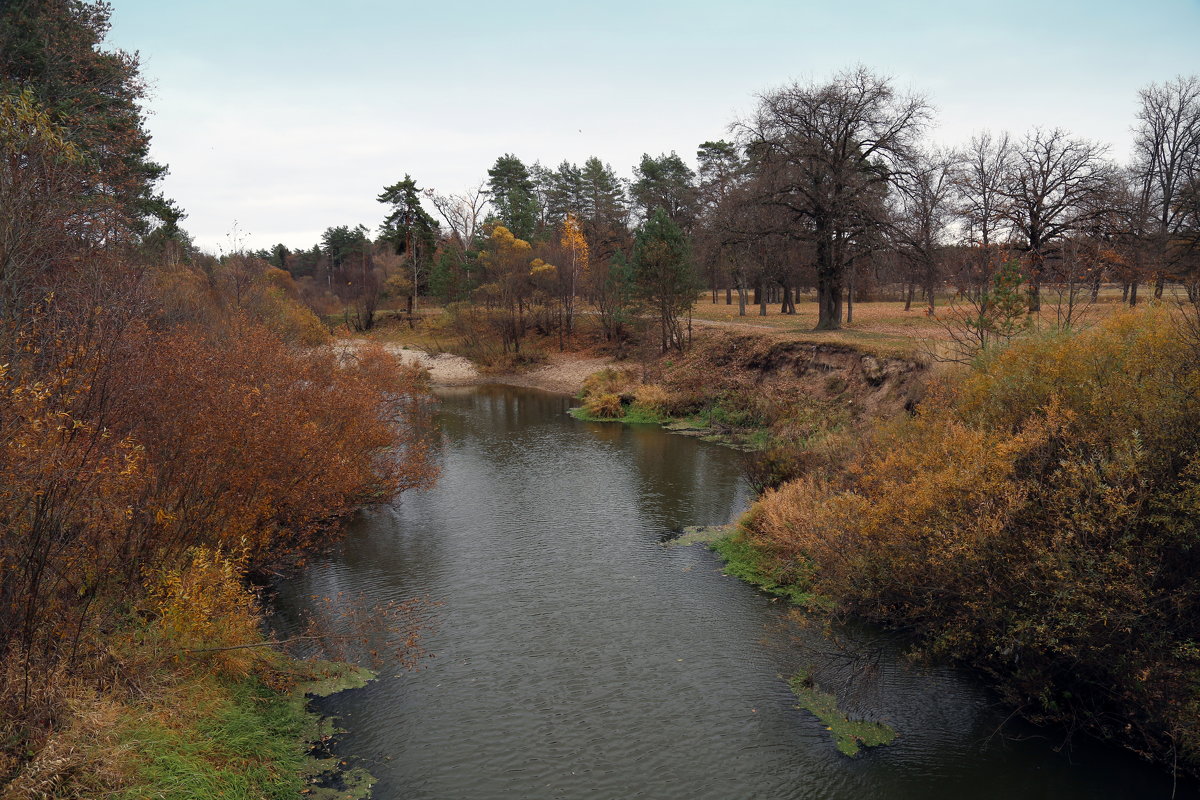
1038	519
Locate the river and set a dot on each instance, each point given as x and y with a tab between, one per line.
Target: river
577	656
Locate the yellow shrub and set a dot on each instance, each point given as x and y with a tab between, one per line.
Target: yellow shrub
606	406
610	381
652	396
202	607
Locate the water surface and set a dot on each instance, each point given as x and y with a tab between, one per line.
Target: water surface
576	656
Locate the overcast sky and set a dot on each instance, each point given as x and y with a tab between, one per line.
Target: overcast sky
289	117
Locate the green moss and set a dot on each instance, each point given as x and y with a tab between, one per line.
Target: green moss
849	736
693	534
744	560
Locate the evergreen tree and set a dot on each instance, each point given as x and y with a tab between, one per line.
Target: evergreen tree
667	183
512	193
602	204
52	48
409	228
663	276
565	194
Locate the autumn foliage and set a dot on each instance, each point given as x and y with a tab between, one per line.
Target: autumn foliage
1037	519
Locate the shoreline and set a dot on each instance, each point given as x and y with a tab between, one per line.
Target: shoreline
563	373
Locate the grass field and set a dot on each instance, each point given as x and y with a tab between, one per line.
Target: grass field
886	328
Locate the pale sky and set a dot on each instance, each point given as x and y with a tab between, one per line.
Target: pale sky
288	117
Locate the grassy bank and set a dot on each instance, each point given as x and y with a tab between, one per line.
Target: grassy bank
186	728
183	698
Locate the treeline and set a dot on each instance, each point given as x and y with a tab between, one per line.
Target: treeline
158	407
829	186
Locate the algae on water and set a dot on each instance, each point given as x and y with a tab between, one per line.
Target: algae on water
699	534
849	736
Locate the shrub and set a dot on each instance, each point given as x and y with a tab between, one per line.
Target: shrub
652	397
604	406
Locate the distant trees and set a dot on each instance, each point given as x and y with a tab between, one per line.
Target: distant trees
1166	172
1054	185
829	185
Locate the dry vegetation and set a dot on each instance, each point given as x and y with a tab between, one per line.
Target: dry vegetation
1035	518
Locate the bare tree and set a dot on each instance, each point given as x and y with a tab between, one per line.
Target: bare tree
979	182
828	152
922	212
1166	163
1051	189
464	212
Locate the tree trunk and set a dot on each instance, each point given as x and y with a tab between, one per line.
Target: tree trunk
908	295
829	284
1159	282
1133	293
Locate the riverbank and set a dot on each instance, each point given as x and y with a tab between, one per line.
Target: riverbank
563	373
1028	522
798	406
178	726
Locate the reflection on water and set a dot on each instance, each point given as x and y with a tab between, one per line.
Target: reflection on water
577	657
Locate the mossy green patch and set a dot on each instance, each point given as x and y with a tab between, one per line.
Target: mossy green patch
331	677
850	736
693	534
744	560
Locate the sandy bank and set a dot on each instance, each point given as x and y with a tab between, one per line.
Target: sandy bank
563	372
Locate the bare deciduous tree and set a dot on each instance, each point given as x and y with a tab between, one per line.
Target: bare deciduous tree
829	151
1051	189
1166	163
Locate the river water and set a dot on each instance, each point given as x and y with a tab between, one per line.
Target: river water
577	656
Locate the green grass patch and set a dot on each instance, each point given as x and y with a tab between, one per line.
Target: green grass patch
634	415
228	740
237	740
744	560
849	736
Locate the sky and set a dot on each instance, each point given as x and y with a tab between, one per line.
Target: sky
281	119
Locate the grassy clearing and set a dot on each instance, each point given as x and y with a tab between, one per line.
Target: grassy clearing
849	736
